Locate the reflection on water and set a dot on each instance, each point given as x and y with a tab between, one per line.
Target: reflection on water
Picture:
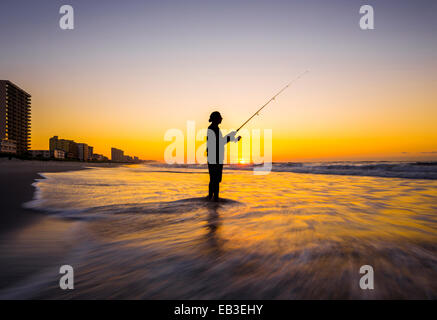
212	226
140	234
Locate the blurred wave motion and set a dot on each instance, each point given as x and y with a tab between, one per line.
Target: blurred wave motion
146	231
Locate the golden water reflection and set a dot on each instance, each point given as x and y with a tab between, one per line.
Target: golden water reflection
283	235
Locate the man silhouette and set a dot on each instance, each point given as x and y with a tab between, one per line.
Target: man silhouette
215	151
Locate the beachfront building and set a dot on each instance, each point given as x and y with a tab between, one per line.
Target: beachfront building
82	151
15	115
117	155
99	157
45	154
8	146
90	153
127	158
59	154
68	146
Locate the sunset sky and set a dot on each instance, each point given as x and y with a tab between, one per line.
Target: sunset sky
130	70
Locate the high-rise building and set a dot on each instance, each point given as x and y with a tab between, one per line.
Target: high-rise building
82	151
117	155
15	115
68	146
90	153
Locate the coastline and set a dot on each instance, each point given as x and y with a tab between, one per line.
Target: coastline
17	177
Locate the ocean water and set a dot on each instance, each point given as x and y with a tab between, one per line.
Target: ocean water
389	169
147	232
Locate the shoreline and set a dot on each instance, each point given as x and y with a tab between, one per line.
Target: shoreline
16	187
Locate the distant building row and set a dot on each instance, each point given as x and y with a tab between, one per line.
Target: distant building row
68	149
15	132
118	155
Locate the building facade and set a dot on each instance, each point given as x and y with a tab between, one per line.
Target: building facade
40	154
8	146
117	155
59	154
90	153
15	115
68	146
82	151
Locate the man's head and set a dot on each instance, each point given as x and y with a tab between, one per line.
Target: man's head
215	117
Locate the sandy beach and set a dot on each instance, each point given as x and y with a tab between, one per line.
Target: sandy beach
16	188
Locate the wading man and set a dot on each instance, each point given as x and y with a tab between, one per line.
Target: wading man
215	151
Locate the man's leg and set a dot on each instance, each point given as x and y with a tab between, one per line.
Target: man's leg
218	177
211	190
211	181
216	191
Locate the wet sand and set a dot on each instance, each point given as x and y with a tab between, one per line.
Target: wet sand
16	179
17	176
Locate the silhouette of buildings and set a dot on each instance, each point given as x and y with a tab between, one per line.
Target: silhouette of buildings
99	157
69	149
117	155
14	117
15	121
68	146
90	153
82	151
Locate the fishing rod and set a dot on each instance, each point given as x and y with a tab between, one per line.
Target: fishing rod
273	98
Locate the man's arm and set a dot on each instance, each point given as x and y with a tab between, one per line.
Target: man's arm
231	137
